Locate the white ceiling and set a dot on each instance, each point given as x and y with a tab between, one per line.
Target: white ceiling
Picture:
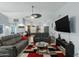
20	9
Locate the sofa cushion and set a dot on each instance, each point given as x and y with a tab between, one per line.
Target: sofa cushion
1	43
9	42
5	38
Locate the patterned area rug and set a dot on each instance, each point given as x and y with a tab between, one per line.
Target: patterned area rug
35	54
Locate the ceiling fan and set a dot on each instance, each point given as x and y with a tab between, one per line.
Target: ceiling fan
34	15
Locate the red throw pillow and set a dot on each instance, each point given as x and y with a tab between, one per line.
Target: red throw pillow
24	37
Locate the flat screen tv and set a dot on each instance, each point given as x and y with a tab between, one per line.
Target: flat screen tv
63	24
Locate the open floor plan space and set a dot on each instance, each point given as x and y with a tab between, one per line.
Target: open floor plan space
39	29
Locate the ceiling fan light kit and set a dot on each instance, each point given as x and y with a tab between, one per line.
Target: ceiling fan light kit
35	15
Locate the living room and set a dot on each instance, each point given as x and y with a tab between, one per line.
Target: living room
32	29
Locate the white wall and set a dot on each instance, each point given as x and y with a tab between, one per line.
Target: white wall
71	9
5	22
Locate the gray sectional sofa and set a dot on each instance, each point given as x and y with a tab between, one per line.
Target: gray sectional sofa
68	47
11	45
42	37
